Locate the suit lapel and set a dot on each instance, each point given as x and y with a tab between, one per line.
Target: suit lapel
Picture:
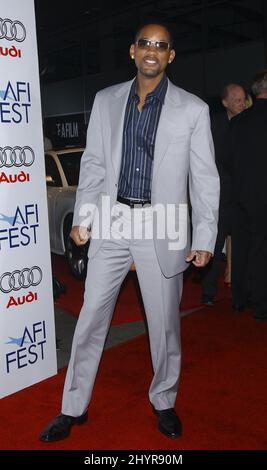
117	112
166	127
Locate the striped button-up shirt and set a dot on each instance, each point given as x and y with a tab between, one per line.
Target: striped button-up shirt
139	135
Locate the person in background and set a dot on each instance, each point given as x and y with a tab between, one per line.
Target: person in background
234	102
248	166
145	138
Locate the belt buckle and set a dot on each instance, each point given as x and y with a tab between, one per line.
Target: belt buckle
140	205
137	205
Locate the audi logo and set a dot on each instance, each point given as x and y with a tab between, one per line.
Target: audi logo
16	156
20	279
12	30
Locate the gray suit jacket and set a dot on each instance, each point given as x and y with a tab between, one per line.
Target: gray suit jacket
183	152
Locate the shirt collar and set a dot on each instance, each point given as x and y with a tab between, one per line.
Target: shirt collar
159	92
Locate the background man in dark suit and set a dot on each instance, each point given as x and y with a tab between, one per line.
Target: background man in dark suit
234	101
248	161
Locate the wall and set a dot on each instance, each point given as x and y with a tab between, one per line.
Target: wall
236	64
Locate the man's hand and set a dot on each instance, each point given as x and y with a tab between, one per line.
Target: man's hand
80	235
199	258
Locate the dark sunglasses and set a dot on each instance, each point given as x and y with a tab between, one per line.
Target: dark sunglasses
146	43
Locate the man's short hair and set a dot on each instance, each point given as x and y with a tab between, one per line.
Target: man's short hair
259	84
158	23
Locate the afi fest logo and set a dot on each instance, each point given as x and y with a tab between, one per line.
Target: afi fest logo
27	349
22	227
11	30
15	157
15	102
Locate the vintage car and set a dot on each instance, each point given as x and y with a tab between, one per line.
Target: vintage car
62	174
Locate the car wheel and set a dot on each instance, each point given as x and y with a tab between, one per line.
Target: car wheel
76	255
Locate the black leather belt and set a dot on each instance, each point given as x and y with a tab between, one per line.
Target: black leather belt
134	203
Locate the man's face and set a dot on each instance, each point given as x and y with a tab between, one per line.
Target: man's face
150	60
235	102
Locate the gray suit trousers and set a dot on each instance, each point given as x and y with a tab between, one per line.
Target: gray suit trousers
161	297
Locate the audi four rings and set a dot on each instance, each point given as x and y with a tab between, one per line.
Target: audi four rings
16	156
12	30
20	279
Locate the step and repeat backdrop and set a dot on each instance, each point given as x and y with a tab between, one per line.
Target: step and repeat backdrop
27	332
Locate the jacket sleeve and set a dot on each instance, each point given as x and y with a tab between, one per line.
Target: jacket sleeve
92	171
204	184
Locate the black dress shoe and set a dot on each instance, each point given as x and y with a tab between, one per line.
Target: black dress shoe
60	427
169	423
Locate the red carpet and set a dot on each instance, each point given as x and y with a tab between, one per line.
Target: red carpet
222	401
129	306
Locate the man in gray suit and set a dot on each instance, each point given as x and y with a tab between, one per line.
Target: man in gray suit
146	138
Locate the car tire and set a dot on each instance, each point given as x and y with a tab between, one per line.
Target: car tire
76	256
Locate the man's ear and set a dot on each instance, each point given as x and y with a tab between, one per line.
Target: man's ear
224	103
132	51
172	56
